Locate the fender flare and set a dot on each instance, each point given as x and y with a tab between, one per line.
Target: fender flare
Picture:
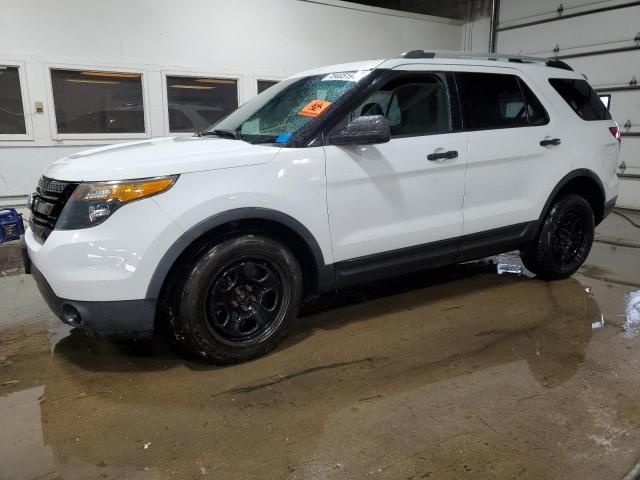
578	173
248	213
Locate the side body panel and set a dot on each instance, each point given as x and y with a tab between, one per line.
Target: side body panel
389	196
509	175
292	184
117	260
593	147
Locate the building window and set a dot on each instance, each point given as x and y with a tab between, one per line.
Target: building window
195	103
11	110
90	102
264	84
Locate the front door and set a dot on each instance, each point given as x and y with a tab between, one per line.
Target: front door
399	204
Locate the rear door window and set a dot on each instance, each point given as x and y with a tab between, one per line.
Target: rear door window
581	98
496	100
535	111
491	100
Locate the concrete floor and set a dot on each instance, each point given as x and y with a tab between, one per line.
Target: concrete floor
477	371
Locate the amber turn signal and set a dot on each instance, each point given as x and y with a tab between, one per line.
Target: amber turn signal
123	192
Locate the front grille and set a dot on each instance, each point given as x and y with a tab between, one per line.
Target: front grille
46	205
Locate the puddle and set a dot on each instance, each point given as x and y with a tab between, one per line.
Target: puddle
594	271
29	457
11	259
477	358
632	314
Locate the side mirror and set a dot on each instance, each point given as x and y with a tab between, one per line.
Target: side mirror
363	130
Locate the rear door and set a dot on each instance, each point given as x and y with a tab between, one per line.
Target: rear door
517	152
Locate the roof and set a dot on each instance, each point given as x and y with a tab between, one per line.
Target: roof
439	57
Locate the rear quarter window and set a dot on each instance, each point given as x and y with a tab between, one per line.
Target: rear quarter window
581	98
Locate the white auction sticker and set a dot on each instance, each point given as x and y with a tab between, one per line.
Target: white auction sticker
346	76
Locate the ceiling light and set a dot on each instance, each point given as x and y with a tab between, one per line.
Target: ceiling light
192	87
81	80
215	80
112	74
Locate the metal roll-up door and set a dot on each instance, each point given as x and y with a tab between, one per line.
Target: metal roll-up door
598	38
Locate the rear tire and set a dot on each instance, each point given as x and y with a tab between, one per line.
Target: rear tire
237	299
564	240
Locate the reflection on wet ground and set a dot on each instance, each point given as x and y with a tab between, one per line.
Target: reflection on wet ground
475	371
10	259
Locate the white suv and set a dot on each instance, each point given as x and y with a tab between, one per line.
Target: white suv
332	177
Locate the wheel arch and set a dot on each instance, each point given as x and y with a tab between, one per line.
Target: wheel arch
583	182
276	224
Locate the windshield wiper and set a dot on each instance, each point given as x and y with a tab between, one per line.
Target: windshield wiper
220	132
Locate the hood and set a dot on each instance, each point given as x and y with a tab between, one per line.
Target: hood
157	157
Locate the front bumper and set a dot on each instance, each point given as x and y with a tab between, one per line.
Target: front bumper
111	262
97	278
128	318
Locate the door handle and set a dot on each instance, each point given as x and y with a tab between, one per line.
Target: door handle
451	154
550	142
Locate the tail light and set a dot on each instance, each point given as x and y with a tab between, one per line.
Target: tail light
615	131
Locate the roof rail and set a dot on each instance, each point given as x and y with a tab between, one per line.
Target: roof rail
550	62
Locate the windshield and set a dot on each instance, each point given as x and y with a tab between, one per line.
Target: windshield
280	111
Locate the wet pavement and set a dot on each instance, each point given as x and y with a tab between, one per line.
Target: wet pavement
475	371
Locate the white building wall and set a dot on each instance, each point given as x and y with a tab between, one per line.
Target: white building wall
242	39
476	35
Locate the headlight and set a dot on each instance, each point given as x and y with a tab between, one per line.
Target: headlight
92	203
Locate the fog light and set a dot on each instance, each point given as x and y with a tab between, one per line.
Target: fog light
71	315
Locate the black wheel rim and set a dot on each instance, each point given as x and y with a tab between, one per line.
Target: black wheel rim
245	302
569	239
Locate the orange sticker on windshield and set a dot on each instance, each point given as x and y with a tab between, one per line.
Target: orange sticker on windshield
314	108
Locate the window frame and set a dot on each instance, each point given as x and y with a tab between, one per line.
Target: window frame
450	98
191	74
53	123
27	112
523	84
385	77
520	80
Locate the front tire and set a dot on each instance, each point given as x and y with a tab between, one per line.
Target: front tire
237	300
564	240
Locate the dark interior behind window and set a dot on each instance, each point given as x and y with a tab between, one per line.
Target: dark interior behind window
581	98
264	84
98	102
491	100
535	111
414	104
196	103
11	112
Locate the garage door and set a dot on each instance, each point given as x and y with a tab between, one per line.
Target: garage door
599	39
